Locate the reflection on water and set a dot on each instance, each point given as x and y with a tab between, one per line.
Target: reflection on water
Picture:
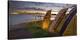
22	18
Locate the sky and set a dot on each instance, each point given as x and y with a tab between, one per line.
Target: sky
45	6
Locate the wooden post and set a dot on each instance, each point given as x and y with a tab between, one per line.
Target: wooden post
68	19
46	20
57	20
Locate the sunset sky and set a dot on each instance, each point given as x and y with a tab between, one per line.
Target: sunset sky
37	5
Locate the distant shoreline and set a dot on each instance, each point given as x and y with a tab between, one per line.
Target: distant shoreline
31	14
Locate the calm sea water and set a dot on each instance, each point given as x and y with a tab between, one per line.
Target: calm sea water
22	18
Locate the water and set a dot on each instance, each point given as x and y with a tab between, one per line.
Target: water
22	18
